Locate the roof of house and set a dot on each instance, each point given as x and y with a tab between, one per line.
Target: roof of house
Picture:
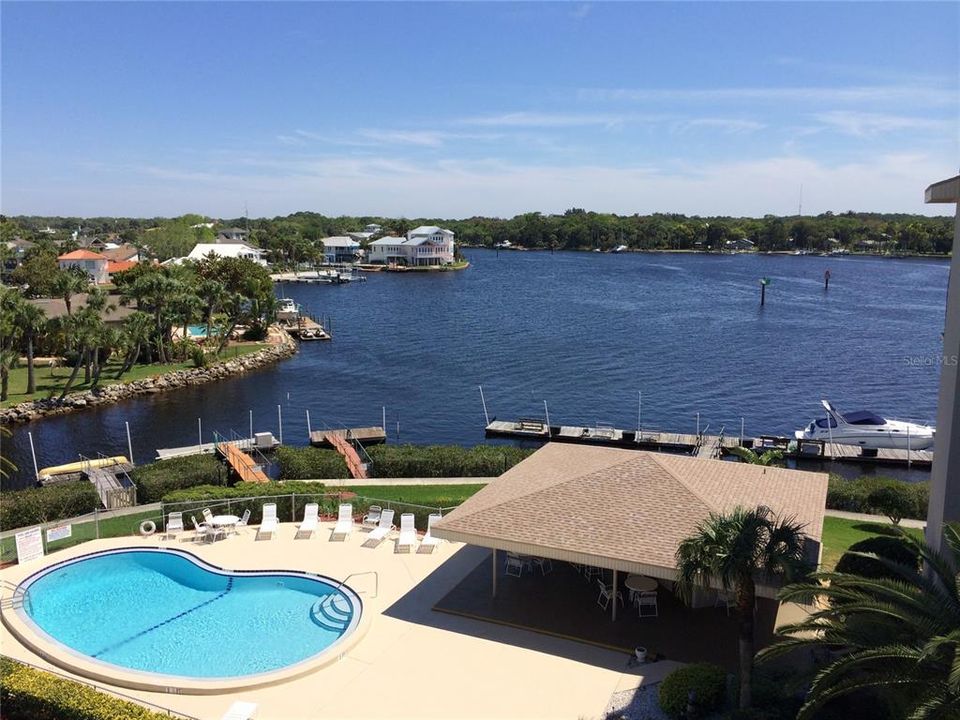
410	242
623	509
123	252
426	230
340	241
56	307
82	255
118	266
201	250
233	231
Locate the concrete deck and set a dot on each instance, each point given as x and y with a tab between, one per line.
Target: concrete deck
413	662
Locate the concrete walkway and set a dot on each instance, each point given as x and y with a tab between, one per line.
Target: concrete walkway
883	519
350	482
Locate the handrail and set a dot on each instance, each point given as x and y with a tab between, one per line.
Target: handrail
376	575
19	592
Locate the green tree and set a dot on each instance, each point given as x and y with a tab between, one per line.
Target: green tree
897	636
736	550
32	322
136	334
67	283
766	458
894	500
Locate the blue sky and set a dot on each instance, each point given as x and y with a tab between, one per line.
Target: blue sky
453	110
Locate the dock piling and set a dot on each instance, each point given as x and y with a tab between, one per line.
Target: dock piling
482	400
309	430
129	444
33	453
199	435
280	424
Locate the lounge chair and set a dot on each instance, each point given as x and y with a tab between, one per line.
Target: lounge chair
268	525
545	564
240	710
344	524
202	531
242	523
607	593
384	527
408	533
513	564
310	518
174	524
429	542
207	515
647	604
372	518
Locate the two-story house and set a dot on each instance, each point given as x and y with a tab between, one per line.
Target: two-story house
424	245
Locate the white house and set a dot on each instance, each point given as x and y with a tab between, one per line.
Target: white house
232	235
339	249
425	245
93	264
222	249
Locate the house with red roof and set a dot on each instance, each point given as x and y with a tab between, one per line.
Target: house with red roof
93	264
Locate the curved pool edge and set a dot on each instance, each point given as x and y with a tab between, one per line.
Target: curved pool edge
61	656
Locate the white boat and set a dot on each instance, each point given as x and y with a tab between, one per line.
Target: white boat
288	310
867	430
620	249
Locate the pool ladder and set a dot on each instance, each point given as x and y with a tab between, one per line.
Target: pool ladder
15	600
376	577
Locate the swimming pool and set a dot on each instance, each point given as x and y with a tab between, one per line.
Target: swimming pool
167	612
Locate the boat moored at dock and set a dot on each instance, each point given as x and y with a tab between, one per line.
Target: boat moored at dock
867	430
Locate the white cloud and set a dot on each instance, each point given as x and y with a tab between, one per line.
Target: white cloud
864	124
726	125
544	120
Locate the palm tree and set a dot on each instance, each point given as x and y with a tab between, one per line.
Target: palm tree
900	636
136	334
7	465
69	282
766	458
32	321
737	550
10	304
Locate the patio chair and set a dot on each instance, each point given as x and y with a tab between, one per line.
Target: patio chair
242	523
545	564
589	571
372	518
240	710
647	604
608	593
174	524
513	565
203	532
429	542
344	525
384	527
268	525
207	515
408	533
311	516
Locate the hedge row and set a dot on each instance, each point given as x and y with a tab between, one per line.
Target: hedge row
310	463
155	480
20	508
439	461
854	495
30	694
703	683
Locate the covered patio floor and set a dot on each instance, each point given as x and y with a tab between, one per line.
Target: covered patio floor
563	603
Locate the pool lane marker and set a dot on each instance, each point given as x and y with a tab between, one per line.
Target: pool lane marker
159	625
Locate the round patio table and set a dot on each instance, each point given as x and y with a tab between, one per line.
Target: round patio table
224	520
640	583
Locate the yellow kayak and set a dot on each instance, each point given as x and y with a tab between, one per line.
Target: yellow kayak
76	467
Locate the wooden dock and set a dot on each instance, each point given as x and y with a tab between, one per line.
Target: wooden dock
706	446
242	464
245	444
307	328
365	435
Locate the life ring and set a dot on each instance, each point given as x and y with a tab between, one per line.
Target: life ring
148	527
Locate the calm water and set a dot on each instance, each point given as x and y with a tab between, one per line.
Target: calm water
584	331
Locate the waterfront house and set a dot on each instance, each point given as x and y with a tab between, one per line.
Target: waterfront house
739	244
232	235
340	249
225	249
92	263
423	246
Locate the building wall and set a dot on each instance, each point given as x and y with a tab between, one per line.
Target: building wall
95	269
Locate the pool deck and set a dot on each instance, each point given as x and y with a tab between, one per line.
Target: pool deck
412	662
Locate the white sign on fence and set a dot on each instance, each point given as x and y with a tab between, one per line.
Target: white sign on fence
59	532
29	545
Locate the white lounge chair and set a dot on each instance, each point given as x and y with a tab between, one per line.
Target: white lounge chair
207	515
383	528
372	518
311	517
429	542
240	710
344	525
268	525
203	532
408	533
607	594
174	524
242	523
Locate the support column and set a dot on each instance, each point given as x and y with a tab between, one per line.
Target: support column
945	475
614	595
493	592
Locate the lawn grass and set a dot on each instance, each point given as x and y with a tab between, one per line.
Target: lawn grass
427	495
81	532
840	533
50	381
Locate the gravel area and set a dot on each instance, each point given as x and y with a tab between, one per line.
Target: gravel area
638	704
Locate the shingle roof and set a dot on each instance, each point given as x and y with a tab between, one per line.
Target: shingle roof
81	255
118	266
339	241
624	509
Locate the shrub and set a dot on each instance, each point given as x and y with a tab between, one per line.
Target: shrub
707	682
30	694
884	546
290	497
854	495
155	480
20	508
197	356
309	463
411	461
894	501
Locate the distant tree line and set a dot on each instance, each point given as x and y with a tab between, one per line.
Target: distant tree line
294	238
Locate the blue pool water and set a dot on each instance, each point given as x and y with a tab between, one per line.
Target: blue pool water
200	330
162	612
